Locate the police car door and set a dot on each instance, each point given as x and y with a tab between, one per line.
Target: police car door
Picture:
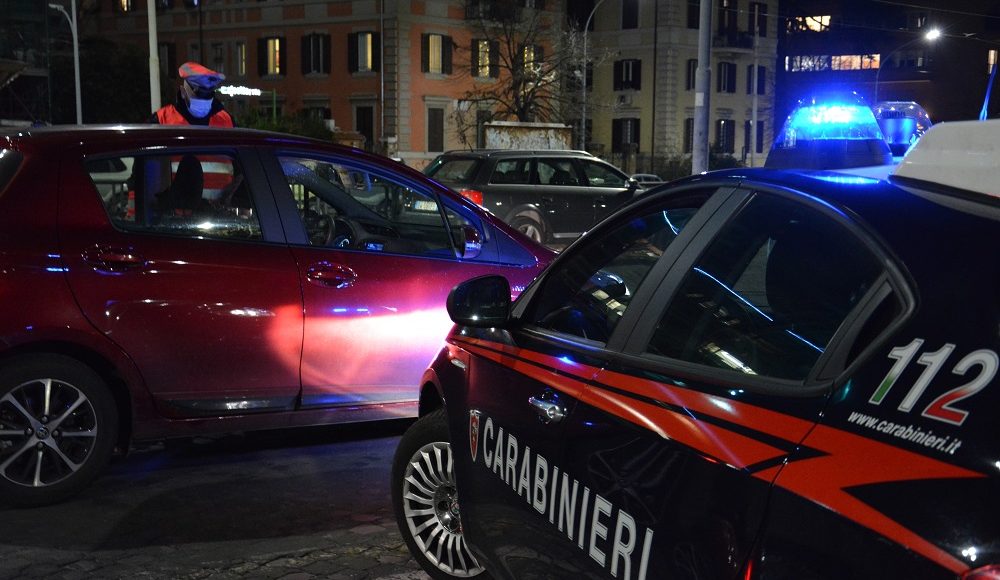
725	374
529	503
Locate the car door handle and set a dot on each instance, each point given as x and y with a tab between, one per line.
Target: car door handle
548	411
110	259
331	275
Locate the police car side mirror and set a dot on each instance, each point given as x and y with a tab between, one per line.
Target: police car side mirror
482	302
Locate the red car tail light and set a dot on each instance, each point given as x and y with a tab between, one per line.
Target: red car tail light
474	195
991	572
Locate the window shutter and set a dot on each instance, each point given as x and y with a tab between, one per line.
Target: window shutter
637	74
731	71
262	57
494	58
376	52
283	56
425	52
616	135
352	52
475	57
618	68
539	55
446	50
749	78
324	51
307	54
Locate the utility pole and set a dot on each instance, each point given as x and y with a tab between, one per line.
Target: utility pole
753	110
76	55
154	57
703	83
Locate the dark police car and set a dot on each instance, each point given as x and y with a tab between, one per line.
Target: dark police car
745	374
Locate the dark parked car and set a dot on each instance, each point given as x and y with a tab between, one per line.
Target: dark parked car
550	196
164	281
747	374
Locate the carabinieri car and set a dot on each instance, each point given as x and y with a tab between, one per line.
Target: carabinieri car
745	374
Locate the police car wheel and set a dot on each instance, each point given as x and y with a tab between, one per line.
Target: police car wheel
426	502
58	428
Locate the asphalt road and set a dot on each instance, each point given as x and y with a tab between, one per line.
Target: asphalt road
297	504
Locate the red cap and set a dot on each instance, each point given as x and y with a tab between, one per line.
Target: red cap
200	76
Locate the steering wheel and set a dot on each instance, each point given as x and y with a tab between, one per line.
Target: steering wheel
319	227
345	234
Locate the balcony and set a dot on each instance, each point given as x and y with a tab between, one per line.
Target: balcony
734	42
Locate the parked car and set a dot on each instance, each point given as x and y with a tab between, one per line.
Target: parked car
647	180
550	196
237	280
744	374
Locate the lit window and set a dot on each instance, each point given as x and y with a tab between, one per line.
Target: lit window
240	54
809	24
484	58
991	60
274	56
125	5
435	57
365	52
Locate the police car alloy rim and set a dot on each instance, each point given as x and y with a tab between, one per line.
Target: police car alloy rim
47	432
431	510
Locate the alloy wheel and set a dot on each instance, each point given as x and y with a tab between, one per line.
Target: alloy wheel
432	513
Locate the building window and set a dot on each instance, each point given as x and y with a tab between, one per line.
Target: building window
689	135
485	58
271	56
916	20
240	54
726	83
531	58
630	14
624	135
435	129
363	52
725	135
124	5
808	24
628	74
761	79
693	13
757	19
690	78
536	4
167	53
728	12
316	54
364	123
991	60
435	54
219	57
747	137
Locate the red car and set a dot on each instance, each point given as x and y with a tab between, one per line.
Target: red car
165	281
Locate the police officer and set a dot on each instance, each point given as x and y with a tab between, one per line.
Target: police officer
196	102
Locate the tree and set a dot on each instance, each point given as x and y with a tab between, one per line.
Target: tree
528	51
114	83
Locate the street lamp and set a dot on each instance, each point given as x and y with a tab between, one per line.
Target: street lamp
76	54
583	81
930	36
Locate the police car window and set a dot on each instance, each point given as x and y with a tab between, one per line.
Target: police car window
769	293
193	194
347	207
587	295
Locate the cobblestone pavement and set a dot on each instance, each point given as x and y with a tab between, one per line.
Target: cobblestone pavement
293	505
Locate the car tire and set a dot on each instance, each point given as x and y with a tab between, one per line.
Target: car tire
58	428
425	501
530	227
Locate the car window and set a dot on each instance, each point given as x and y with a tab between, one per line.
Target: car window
516	171
769	293
587	294
461	169
557	172
192	194
601	175
348	207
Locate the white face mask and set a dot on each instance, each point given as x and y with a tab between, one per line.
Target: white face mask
199	107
